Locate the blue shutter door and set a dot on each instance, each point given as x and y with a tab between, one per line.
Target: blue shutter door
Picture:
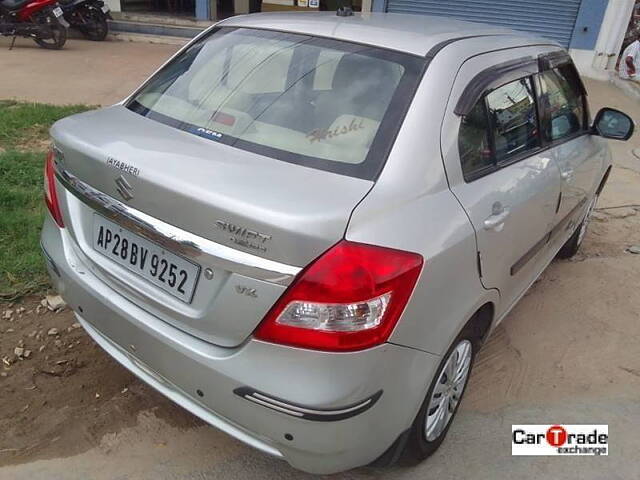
554	19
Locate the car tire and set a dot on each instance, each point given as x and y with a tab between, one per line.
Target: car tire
571	246
424	439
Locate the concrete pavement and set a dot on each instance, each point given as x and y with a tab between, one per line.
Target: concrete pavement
92	73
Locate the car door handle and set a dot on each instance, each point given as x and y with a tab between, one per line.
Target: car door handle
567	175
496	221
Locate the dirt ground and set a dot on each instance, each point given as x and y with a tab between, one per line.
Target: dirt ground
67	394
568	353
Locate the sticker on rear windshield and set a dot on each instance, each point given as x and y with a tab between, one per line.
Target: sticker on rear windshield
324	133
206	133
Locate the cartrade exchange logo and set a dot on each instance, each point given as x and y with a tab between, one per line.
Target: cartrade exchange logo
559	440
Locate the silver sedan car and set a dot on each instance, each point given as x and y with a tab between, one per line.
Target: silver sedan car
303	226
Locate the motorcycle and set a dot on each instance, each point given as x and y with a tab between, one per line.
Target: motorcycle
88	16
41	20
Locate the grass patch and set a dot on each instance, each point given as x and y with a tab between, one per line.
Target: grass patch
24	136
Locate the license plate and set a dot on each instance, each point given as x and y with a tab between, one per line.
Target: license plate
105	9
164	269
57	12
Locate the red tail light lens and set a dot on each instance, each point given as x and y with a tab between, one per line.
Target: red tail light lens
349	298
50	195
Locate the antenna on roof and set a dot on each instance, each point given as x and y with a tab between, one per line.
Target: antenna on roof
344	8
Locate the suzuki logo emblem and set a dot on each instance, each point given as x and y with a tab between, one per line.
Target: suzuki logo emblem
124	189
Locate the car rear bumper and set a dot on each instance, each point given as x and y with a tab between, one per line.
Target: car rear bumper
354	405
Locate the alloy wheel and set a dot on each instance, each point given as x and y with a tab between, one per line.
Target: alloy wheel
448	390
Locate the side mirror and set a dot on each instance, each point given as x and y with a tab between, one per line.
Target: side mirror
612	123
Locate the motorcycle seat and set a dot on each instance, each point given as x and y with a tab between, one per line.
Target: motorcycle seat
14	4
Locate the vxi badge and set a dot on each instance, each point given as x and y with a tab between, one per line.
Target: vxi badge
560	440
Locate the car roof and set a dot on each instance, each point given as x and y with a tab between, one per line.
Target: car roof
415	34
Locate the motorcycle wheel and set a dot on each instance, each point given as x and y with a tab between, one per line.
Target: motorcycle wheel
57	39
98	29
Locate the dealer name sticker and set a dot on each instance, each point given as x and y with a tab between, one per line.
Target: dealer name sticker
559	440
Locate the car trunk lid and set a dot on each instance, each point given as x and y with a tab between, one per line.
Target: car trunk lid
248	222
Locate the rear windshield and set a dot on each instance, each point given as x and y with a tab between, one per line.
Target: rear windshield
312	101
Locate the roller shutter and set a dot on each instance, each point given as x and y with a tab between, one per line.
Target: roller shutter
554	19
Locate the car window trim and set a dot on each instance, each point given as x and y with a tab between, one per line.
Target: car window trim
497	164
526	153
544	145
370	168
472	176
553	59
557	59
483	172
493	78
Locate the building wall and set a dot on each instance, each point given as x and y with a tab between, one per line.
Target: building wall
203	8
587	27
597	34
609	43
114	5
595	42
548	18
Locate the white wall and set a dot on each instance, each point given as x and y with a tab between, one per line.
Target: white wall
114	5
601	61
241	6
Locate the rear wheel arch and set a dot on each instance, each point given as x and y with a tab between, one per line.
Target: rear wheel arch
481	321
416	442
479	324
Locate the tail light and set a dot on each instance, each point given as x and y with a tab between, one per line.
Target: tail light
349	298
50	195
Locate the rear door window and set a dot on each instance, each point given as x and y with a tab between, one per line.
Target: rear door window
501	128
316	102
512	113
475	151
